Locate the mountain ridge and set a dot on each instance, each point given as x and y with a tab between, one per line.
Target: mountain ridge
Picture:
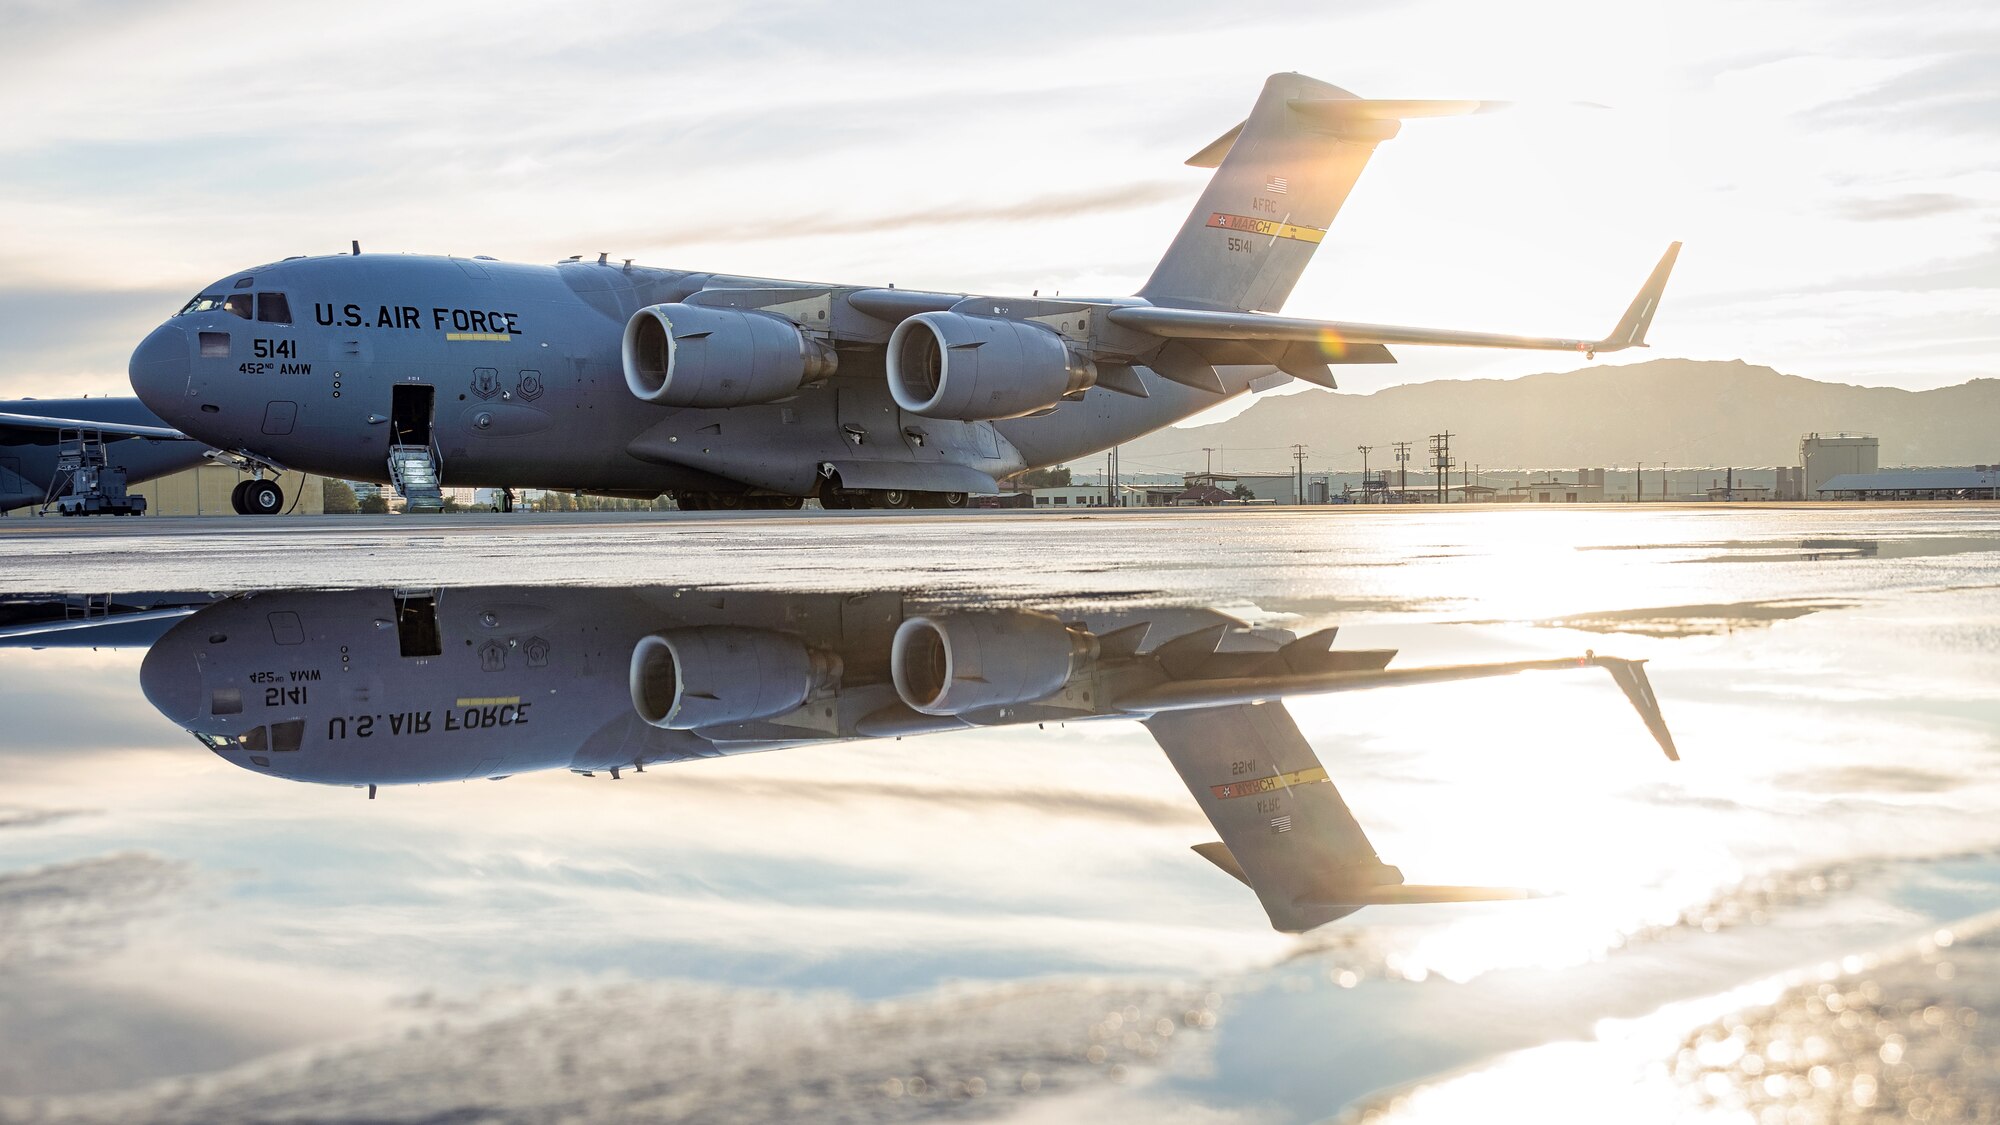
1687	412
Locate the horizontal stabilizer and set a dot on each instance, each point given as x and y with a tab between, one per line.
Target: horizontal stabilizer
1218	854
1408	894
1388	109
1333	113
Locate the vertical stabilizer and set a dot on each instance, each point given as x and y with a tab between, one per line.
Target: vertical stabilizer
1280	178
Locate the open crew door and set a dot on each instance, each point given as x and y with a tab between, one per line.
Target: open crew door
410	408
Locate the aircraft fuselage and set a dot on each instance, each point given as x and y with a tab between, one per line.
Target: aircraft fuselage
513	374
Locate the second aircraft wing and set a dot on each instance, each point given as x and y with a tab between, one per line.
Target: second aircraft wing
1317	342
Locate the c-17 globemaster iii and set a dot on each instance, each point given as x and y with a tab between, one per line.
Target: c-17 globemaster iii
731	391
373	688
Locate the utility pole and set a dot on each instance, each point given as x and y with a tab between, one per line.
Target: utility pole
1403	467
1441	463
1210	450
1365	450
1298	474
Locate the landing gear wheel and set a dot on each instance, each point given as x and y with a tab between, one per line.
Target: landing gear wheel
725	501
788	503
236	497
950	499
263	498
834	500
691	501
891	498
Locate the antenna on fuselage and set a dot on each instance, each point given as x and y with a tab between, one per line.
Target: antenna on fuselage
357	248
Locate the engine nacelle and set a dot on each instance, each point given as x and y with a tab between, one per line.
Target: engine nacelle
977	368
693	355
710	675
960	662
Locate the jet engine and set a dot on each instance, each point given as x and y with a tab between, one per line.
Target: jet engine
693	355
709	675
955	663
977	368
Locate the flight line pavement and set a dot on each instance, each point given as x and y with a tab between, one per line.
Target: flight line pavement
1326	553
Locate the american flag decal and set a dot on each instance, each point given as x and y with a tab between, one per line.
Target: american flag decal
1278	185
1282	824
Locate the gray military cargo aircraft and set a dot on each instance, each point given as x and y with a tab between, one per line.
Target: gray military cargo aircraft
731	391
369	688
40	437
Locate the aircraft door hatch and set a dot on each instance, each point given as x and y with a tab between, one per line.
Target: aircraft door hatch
414	468
410	408
417	632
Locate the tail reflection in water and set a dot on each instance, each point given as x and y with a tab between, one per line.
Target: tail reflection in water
373	688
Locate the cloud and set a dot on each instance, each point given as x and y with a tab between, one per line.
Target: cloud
71	911
55	332
1954	94
700	1052
1912	205
15	817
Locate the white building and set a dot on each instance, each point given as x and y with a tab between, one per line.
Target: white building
1081	496
1588	488
1823	457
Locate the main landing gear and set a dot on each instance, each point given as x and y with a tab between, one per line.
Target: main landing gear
736	502
257	498
842	499
832	499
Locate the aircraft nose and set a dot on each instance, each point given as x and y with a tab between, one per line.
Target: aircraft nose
160	368
170	679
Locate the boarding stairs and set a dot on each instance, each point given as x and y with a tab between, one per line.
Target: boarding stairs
414	470
85	482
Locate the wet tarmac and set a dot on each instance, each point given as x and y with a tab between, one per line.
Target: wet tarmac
1215	816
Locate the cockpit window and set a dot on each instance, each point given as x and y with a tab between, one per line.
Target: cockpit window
237	304
273	308
206	302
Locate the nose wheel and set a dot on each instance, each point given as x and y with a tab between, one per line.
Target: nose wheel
257	498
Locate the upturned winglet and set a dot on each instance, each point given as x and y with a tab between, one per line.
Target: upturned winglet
1631	330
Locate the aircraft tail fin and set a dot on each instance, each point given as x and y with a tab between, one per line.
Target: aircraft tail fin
1280	178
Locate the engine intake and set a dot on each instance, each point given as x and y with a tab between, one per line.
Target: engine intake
978	368
693	355
955	663
711	675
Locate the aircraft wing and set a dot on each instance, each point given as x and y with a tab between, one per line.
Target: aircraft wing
37	429
1197	693
1286	832
1315	343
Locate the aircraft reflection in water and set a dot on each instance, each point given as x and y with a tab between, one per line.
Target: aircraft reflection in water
380	687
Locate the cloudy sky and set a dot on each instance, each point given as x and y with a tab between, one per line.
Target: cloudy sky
1831	166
